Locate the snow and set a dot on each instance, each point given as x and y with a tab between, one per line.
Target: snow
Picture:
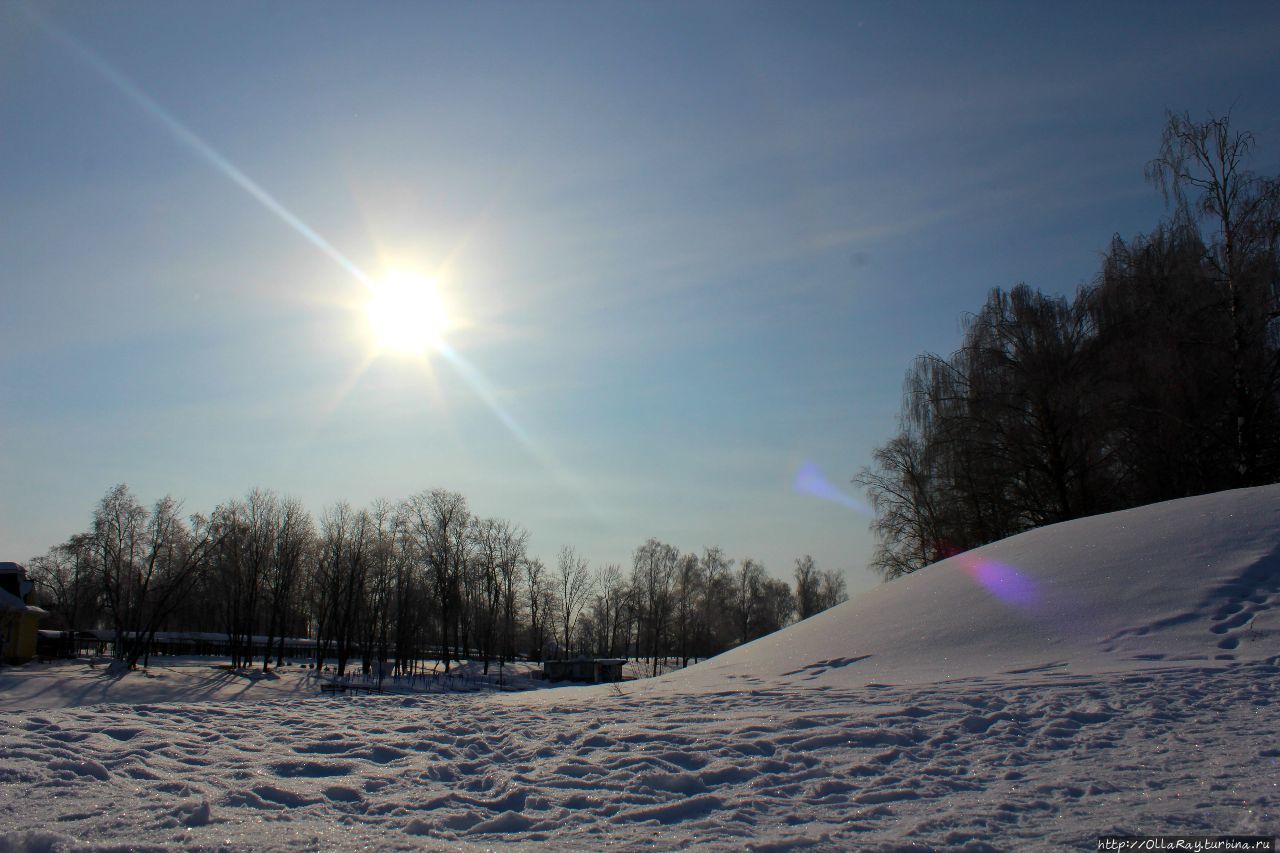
1112	675
1182	581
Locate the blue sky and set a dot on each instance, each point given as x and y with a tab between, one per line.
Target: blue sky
689	247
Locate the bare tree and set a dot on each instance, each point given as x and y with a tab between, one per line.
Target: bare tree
714	630
512	541
832	589
411	598
573	585
807	587
607	606
746	598
66	578
343	557
246	533
653	568
119	530
378	611
1005	435
488	536
541	597
817	590
439	521
1201	166
369	583
1161	380
1164	358
294	537
776	607
900	485
147	562
761	604
177	552
688	586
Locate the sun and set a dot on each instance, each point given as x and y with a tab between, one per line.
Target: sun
406	313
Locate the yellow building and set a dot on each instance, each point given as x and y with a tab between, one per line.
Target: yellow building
18	620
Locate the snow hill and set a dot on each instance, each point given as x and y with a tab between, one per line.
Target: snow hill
1112	675
1187	580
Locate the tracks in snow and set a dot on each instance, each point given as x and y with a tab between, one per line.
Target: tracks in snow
1040	759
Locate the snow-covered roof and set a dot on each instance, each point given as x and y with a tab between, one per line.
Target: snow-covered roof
10	603
15	577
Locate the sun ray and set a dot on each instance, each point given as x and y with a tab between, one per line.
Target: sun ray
193	141
485	391
479	384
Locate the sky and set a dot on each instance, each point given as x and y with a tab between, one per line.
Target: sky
687	251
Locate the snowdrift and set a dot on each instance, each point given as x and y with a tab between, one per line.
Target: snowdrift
1196	579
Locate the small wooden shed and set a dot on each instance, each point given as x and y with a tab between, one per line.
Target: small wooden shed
590	670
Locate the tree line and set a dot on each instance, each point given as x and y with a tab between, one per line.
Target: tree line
1160	379
423	581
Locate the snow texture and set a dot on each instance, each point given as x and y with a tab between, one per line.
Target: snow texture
1112	675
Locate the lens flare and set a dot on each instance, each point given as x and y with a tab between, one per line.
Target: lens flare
809	480
1004	582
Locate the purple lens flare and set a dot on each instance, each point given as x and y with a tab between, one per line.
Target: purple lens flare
809	480
1004	582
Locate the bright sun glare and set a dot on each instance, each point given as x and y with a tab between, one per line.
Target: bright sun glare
406	313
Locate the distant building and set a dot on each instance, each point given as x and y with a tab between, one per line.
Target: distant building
19	621
55	645
591	670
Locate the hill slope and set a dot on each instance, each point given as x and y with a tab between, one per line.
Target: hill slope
1196	579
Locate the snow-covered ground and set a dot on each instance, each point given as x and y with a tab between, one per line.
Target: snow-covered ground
1113	675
